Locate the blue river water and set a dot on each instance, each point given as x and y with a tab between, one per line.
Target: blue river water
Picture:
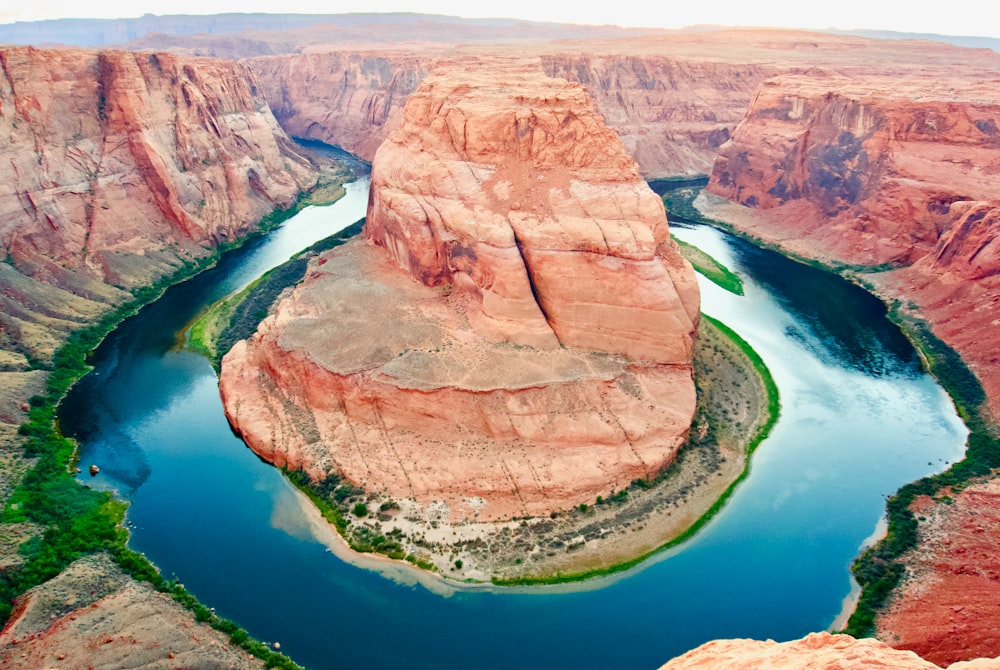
859	419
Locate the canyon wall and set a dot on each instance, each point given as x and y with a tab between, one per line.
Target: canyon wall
896	175
513	335
671	114
673	98
898	180
119	168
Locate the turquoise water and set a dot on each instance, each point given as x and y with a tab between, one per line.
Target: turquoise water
858	420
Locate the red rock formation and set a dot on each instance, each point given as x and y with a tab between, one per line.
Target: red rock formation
526	227
945	609
816	651
673	99
899	172
91	615
121	166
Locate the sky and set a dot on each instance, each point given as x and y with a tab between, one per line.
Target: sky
955	17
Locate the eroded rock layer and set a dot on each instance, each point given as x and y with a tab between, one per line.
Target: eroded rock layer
885	173
119	167
514	334
816	651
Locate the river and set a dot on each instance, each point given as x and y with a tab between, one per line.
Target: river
859	419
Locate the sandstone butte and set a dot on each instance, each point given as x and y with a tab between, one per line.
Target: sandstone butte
816	651
119	167
514	333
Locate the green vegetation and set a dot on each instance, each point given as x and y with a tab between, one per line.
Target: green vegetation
679	204
78	520
879	569
715	271
773	409
333	497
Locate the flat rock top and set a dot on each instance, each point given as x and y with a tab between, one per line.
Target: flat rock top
356	312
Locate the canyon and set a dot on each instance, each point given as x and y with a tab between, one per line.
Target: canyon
895	177
513	336
877	158
122	167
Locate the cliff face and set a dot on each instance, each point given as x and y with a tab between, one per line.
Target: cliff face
866	171
514	336
815	651
673	99
898	173
901	172
353	99
671	114
120	167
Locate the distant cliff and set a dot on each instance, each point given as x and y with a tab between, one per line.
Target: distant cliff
119	167
671	113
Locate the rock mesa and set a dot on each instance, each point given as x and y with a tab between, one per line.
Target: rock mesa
512	336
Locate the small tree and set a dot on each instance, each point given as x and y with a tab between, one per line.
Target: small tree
360	509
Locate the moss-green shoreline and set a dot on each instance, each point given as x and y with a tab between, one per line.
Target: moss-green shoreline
773	411
715	271
879	569
79	521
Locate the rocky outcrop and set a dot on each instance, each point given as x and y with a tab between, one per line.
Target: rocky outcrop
120	167
815	651
882	174
945	609
514	334
92	615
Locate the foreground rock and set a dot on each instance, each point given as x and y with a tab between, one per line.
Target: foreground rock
513	337
94	616
816	651
945	609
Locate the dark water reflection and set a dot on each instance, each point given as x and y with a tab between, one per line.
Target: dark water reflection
858	421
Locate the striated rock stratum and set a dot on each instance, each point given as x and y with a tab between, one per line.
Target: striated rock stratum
118	168
816	651
514	333
896	175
